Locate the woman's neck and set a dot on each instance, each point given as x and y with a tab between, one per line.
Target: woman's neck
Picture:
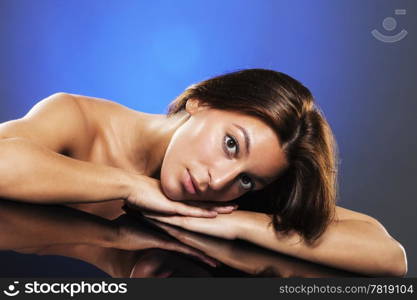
150	138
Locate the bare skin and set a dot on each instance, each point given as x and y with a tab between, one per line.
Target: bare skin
93	159
114	246
128	247
350	244
248	258
129	151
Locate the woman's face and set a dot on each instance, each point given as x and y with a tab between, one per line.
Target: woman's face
218	155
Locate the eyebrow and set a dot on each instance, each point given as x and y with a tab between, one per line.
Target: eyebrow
246	135
263	181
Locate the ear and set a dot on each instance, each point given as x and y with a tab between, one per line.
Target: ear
194	105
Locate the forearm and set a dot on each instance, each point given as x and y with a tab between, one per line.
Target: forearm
33	173
114	262
352	245
27	225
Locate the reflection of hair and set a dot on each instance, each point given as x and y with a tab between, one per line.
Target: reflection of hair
303	198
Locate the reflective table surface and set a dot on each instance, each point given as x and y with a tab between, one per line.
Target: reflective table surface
59	241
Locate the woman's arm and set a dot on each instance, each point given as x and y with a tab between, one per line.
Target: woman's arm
33	168
30	172
354	245
25	225
350	244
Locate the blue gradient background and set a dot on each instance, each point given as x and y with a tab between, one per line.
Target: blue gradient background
143	54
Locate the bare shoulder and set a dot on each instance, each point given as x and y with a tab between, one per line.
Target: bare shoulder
65	122
55	122
343	214
90	105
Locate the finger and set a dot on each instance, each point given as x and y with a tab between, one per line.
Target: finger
225	209
185	222
173	220
209	204
193	211
222	208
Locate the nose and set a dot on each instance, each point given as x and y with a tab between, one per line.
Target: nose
223	175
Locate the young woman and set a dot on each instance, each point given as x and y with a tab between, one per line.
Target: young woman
253	136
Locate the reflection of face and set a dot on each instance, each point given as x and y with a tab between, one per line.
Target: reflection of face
210	150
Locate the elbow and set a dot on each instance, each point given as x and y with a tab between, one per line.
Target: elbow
398	265
392	262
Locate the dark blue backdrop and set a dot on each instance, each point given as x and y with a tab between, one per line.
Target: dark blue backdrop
143	54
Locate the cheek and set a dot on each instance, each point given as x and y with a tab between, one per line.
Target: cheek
168	183
171	173
207	150
186	150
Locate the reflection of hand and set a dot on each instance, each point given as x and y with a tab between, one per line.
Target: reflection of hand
132	235
200	241
248	258
227	226
228	252
146	193
160	264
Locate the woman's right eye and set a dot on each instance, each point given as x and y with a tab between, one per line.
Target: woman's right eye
231	145
247	182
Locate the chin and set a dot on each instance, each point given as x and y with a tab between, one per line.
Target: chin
169	188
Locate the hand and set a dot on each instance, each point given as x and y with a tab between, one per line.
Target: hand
226	226
132	235
146	194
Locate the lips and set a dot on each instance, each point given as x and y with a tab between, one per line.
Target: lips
188	183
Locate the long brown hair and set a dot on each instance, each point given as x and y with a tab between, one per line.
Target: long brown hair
304	196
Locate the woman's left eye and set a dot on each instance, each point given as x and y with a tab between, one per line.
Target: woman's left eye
231	145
